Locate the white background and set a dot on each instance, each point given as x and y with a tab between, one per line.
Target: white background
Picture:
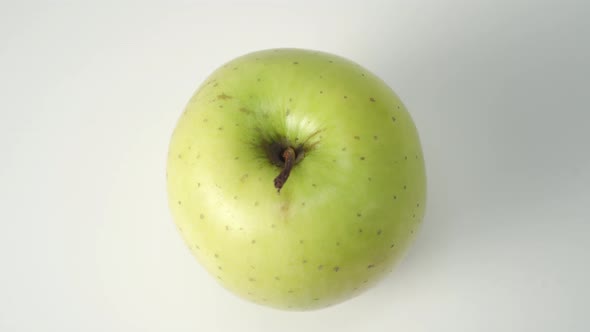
90	93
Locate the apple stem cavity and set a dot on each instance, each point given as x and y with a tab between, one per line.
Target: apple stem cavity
289	156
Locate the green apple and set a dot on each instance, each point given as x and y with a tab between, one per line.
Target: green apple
296	178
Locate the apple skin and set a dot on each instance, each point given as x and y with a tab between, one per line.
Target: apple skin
351	205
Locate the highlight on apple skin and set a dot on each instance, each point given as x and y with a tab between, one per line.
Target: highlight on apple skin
296	178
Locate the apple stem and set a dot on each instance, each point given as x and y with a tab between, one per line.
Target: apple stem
289	157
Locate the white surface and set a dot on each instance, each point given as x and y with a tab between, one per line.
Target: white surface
89	95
